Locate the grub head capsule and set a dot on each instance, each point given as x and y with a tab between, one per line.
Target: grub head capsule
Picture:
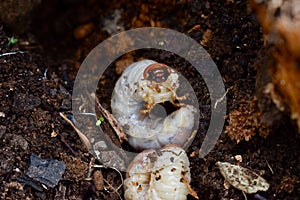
157	72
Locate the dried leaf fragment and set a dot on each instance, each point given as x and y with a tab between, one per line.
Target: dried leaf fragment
242	178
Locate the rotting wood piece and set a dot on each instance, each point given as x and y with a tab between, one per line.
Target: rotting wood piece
280	21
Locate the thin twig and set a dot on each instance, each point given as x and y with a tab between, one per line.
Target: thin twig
120	177
222	98
11	53
80	134
270	167
91	164
45	73
114	189
244	195
112	121
102	166
65	142
88	114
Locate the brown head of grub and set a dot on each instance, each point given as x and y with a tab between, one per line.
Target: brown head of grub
157	72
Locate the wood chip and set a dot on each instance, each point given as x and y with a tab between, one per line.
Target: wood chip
242	178
206	38
98	180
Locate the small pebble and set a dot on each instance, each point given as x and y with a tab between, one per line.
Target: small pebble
43	172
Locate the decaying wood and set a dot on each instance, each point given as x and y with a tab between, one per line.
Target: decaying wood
280	22
242	178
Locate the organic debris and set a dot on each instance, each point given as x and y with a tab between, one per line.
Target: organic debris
242	178
280	21
243	123
98	180
288	184
76	169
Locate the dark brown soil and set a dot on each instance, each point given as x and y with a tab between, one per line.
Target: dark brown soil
37	84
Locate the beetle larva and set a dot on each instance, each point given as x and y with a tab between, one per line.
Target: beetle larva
161	174
138	176
141	86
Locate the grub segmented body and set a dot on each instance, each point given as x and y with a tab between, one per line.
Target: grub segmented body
161	174
143	85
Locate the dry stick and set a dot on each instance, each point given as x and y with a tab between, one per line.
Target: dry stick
270	167
91	168
80	134
222	98
65	142
114	189
111	120
11	53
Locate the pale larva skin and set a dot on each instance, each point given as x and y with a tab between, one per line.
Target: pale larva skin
159	175
131	91
138	176
167	180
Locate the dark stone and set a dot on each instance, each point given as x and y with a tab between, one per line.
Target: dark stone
43	171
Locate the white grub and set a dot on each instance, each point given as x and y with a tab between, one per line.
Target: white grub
242	178
141	86
162	174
